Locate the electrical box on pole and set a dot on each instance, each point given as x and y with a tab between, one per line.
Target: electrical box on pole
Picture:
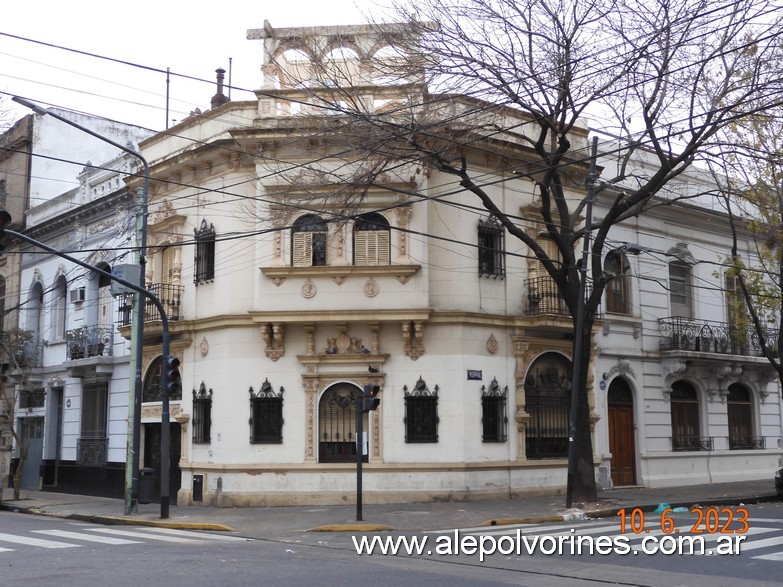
128	272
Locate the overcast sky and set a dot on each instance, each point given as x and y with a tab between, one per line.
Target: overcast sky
192	39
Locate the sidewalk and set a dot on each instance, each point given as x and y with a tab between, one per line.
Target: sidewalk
265	521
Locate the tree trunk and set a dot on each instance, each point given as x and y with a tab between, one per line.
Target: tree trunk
584	488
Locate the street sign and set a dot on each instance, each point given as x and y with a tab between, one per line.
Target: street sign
129	272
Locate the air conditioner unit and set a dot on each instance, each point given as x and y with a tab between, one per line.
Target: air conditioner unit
78	295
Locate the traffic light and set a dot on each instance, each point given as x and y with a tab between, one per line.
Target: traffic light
173	380
371	399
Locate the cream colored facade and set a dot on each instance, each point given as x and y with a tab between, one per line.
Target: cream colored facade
296	318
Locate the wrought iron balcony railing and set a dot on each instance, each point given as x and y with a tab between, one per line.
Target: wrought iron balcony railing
686	334
544	297
747	442
683	443
21	348
170	297
89	341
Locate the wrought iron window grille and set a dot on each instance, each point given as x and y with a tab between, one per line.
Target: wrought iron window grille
491	248
494	420
692	443
421	413
202	415
204	262
266	415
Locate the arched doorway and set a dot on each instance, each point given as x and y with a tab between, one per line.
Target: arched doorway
337	424
621	433
547	400
152	435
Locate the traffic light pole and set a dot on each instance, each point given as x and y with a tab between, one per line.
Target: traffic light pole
165	439
359	453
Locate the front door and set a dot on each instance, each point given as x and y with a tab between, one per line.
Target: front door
621	434
152	458
32	438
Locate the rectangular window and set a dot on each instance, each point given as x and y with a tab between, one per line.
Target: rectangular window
94	410
32	398
493	419
680	290
266	422
491	248
204	263
202	415
421	419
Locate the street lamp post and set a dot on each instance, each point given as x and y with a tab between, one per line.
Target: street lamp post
137	335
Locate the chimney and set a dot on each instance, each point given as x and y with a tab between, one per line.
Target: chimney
219	98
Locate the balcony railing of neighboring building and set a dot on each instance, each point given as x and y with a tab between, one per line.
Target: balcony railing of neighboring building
686	443
686	334
26	347
747	442
170	297
92	451
89	341
543	297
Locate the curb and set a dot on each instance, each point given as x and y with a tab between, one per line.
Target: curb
352	528
120	521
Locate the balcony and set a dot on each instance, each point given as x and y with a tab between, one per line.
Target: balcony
25	346
544	298
702	336
170	297
89	341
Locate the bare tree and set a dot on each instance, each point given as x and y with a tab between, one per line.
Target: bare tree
510	84
748	168
18	349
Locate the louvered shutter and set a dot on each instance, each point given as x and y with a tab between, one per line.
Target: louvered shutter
303	249
384	247
371	247
360	248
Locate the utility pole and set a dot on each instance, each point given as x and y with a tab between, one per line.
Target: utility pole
579	327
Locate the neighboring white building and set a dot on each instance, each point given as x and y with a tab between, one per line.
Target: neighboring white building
72	412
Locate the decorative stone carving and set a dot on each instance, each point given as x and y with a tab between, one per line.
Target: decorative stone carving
204	347
309	289
413	338
623	367
371	288
274	340
671	370
492	344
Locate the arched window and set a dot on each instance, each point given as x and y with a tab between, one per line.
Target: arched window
618	289
58	309
152	391
686	429
547	400
740	414
308	241
371	240
35	310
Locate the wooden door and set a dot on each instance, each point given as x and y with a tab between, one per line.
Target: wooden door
621	434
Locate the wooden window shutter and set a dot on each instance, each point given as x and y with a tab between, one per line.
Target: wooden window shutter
384	247
360	248
303	249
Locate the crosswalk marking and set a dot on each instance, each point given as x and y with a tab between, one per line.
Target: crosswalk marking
188	533
35	541
147	535
86	537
